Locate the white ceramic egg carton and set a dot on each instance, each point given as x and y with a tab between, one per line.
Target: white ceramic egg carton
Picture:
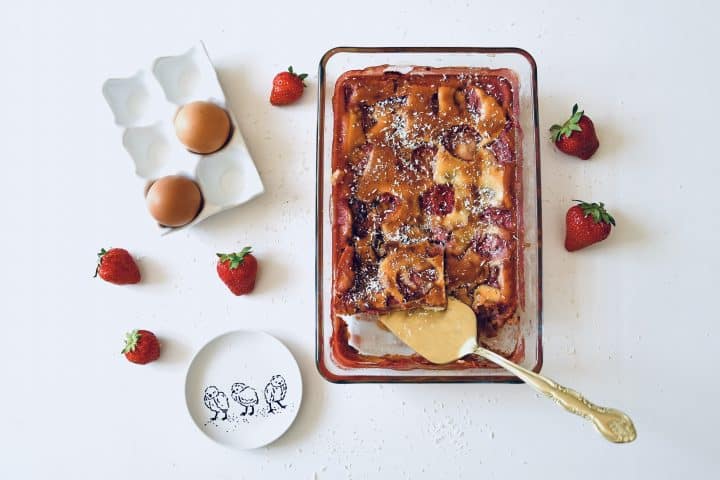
144	106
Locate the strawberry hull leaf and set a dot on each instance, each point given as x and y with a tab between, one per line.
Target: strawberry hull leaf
235	259
570	125
301	76
100	255
131	341
596	211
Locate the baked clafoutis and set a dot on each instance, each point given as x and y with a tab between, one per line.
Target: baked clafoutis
425	188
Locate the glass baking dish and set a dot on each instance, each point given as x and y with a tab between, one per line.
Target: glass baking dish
528	331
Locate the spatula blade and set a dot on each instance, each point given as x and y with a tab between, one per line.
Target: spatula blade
440	336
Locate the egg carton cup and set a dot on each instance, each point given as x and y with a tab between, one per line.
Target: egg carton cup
144	107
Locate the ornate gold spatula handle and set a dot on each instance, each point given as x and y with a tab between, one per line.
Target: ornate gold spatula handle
613	424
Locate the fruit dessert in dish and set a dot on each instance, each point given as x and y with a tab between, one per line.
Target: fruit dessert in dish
424	195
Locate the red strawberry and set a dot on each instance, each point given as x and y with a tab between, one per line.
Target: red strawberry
238	271
117	266
439	200
141	346
287	87
586	223
576	136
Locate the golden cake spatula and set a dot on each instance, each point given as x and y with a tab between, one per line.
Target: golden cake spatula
448	335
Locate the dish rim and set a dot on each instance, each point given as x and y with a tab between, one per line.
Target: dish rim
319	192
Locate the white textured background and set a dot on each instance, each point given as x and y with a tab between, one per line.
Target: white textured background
631	323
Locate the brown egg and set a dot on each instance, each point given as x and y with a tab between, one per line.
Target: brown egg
174	200
202	127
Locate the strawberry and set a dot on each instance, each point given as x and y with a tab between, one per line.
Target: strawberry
586	223
117	266
141	346
576	136
439	200
287	87
238	270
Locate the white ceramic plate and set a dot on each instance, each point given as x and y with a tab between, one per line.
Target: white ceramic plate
243	389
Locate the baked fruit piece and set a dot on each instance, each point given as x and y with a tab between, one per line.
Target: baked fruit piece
424	191
407	276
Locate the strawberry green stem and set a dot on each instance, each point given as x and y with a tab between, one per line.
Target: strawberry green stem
570	125
100	255
131	340
235	259
596	211
301	76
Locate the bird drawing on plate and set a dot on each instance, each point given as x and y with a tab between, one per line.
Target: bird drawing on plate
216	401
245	396
275	392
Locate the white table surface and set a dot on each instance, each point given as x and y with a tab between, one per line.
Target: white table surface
623	321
